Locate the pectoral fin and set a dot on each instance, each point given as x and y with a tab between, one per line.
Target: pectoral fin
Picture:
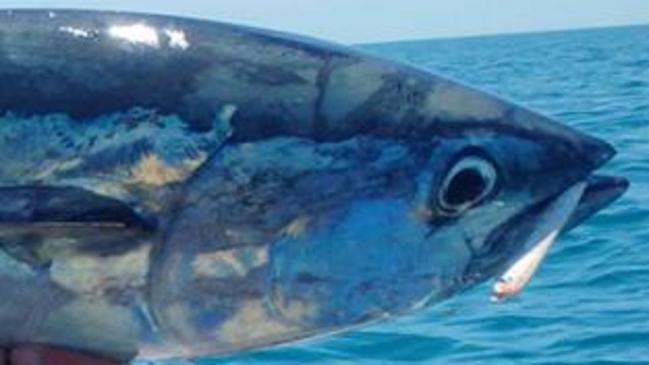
65	205
34	218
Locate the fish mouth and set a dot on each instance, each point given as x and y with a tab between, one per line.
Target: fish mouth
518	246
557	216
600	191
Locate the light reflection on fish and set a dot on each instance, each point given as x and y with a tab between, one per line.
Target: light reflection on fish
173	187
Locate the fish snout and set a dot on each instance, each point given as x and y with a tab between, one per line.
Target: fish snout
574	148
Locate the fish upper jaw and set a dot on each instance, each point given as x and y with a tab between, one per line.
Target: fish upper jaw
590	152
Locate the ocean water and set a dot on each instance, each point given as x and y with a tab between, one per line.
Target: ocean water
589	303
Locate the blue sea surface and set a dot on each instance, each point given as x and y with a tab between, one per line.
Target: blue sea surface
589	303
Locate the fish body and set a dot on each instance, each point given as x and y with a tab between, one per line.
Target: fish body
175	188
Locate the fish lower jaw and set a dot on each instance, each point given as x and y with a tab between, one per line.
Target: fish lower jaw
551	221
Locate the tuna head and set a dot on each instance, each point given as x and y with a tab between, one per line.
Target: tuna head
355	226
460	208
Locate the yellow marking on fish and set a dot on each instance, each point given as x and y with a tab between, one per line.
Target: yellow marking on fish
151	170
298	310
92	275
253	323
227	263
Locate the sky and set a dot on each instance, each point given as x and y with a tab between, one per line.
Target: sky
364	21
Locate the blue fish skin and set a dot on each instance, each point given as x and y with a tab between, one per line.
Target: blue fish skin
173	187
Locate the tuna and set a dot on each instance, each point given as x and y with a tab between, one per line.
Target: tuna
174	188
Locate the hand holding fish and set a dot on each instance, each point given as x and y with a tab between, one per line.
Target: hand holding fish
45	355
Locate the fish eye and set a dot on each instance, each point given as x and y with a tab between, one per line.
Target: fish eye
468	183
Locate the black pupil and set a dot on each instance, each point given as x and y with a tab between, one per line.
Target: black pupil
465	187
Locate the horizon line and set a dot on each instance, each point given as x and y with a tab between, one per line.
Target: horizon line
499	34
